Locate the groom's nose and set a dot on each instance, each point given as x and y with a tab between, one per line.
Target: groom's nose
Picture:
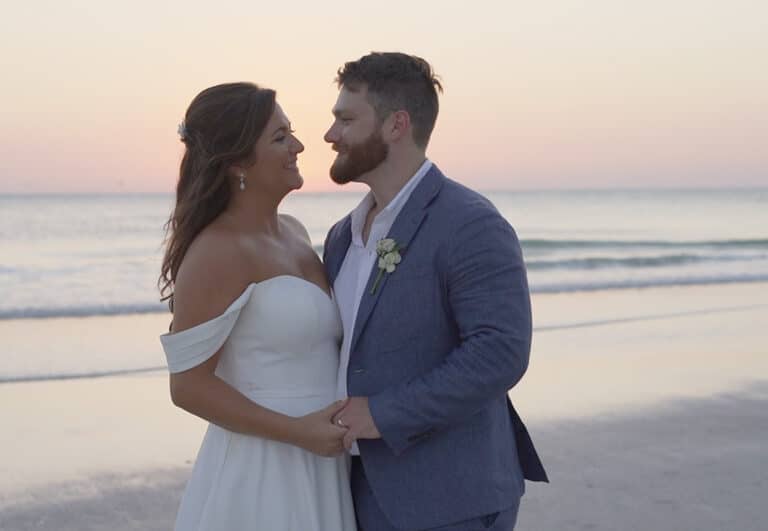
332	135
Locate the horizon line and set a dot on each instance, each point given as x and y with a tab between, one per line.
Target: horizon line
705	188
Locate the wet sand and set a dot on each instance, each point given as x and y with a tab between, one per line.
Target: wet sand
647	406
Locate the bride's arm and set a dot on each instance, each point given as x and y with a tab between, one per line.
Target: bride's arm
200	391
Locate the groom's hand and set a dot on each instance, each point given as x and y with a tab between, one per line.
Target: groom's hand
357	417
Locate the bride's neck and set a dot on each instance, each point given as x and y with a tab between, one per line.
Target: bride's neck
254	214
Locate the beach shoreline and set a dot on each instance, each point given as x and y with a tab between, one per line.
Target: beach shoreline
689	464
666	386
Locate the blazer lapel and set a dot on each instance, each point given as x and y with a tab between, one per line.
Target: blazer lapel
338	245
405	227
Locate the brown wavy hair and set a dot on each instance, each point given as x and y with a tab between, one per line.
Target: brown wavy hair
220	128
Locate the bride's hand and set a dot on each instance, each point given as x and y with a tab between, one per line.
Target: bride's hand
317	433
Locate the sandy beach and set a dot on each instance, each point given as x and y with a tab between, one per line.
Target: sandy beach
648	407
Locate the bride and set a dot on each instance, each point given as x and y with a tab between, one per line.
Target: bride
253	347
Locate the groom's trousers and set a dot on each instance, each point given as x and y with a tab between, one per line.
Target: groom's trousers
371	518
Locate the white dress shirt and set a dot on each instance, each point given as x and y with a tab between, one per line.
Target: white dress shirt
353	276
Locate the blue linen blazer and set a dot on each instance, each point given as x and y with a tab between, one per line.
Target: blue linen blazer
436	348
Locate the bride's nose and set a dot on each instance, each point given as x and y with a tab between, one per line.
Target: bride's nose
297	147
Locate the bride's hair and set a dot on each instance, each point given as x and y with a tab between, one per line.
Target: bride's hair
220	128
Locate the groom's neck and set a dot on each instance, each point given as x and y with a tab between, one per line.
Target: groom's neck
388	179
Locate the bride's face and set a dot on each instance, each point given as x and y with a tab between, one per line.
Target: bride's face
276	155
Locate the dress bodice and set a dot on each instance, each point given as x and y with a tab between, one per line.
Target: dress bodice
281	335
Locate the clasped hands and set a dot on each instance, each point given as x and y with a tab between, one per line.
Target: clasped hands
355	417
327	432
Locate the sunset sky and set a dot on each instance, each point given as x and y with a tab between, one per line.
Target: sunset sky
550	94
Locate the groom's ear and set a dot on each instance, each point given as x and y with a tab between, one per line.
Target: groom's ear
397	126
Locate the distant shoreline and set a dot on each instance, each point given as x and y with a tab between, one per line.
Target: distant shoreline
133	348
84	312
361	189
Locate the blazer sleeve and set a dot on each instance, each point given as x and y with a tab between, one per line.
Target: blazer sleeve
489	298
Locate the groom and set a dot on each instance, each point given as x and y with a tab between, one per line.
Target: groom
434	302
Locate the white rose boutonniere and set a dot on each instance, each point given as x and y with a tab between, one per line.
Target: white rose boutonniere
389	256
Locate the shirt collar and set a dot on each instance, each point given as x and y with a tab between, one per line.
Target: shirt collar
391	211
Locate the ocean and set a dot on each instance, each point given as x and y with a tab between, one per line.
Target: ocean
99	255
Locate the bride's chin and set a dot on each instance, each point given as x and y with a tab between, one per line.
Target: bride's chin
298	182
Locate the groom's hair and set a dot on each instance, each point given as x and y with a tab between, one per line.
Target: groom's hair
396	82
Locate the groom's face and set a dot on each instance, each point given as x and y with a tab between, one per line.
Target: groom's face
355	136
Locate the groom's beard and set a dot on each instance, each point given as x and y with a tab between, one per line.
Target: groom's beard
359	159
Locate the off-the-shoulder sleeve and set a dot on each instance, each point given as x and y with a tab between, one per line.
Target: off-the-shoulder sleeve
193	346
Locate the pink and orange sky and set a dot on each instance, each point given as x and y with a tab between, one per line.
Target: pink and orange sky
561	94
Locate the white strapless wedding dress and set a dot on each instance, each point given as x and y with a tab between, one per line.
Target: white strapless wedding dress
280	349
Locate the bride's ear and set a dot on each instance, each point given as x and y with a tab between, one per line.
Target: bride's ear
236	171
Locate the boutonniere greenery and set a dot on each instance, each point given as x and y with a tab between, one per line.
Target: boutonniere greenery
389	256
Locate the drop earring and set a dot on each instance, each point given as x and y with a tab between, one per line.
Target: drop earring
242	182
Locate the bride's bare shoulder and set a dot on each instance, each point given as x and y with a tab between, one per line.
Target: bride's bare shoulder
295	226
209	277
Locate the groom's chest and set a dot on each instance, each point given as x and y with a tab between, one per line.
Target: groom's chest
359	260
405	302
351	280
